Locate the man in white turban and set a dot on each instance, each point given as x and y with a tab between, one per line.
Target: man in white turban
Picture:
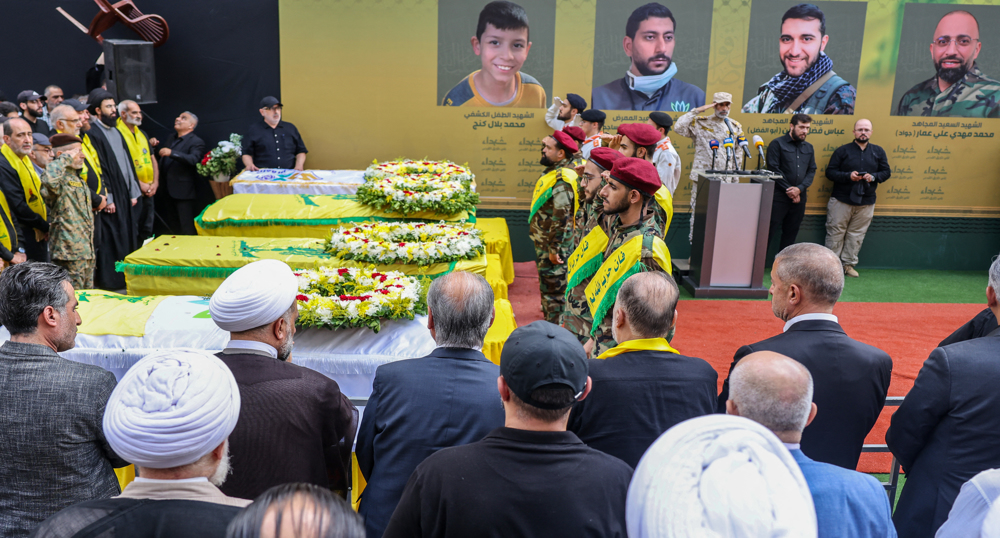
295	424
170	416
720	476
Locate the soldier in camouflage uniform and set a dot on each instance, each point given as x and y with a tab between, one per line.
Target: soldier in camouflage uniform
576	133
639	140
551	225
959	89
576	316
72	231
701	130
632	185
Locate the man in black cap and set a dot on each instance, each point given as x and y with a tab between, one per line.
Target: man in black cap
592	123
665	157
272	143
32	110
531	477
565	113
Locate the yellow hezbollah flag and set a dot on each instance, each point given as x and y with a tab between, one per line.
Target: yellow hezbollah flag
623	263
642	344
543	189
5	239
587	258
138	149
30	182
104	312
666	201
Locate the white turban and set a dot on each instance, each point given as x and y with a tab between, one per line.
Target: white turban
172	408
719	476
255	295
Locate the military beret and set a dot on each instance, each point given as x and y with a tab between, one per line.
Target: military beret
593	115
638	174
604	158
63	139
567	141
576	101
643	134
575	133
662	119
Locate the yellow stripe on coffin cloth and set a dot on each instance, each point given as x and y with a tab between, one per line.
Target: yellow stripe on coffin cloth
300	215
197	265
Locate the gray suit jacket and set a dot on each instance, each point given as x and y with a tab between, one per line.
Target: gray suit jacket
52	445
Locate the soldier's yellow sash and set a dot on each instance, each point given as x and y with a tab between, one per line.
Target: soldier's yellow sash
643	344
90	154
623	263
543	189
138	149
666	201
30	182
587	258
5	239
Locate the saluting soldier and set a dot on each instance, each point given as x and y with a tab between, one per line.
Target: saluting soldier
72	230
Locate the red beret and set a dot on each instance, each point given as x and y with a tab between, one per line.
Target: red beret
575	132
566	140
643	134
638	174
604	158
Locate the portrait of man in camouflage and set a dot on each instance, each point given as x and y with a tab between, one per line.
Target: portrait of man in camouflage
807	83
958	88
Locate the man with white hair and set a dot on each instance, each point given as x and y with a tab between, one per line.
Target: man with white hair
947	429
295	424
170	416
147	171
852	378
776	392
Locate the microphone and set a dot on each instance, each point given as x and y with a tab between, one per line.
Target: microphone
758	142
728	144
742	141
729	126
714	144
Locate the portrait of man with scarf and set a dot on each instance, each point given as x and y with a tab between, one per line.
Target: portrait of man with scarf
807	83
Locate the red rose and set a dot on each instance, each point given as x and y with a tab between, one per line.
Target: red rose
208	157
402	244
342	271
302	298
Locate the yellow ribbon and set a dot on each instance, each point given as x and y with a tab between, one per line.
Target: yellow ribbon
666	201
5	239
623	263
543	189
642	344
138	148
591	247
30	182
90	154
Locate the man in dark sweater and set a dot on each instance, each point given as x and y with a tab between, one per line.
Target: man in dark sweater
642	387
855	169
793	158
295	425
531	477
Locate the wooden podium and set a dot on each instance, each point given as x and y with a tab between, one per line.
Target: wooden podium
730	235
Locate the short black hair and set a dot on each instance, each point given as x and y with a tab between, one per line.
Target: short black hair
26	289
801	118
806	12
6	107
556	394
502	15
648	11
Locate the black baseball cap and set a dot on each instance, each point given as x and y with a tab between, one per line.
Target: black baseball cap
30	95
77	105
662	119
593	115
576	101
540	354
269	101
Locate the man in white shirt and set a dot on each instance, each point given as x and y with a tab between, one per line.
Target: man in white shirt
592	123
665	157
565	113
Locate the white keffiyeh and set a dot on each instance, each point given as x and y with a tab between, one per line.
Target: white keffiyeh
256	294
719	476
171	408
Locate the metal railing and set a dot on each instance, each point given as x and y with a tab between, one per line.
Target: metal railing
892	485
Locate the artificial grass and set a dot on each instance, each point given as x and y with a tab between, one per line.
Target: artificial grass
884	477
907	286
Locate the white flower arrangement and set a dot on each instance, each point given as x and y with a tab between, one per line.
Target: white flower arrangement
405	242
407	186
335	298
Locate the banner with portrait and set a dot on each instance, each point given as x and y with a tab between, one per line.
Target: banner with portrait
472	82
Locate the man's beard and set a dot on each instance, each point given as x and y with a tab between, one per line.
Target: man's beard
108	120
34	115
809	63
954	74
643	67
721	114
222	471
546	161
285	350
779	311
616	209
861	140
797	138
564	117
133	123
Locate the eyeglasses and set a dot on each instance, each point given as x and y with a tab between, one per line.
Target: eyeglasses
78	120
961	41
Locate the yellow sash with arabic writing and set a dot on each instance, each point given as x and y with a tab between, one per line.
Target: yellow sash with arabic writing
543	189
90	154
5	239
30	182
666	201
642	344
138	149
587	258
623	263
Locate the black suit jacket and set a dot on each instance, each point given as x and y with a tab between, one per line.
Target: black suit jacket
417	407
636	396
850	380
946	431
295	426
10	184
178	170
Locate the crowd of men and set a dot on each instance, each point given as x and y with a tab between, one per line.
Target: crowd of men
547	443
79	179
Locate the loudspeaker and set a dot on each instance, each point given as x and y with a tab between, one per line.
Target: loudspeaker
130	71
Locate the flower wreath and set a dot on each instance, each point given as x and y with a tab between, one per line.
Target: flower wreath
405	242
334	298
406	187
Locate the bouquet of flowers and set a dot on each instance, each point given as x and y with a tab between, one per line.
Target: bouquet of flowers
222	160
334	298
406	242
406	187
